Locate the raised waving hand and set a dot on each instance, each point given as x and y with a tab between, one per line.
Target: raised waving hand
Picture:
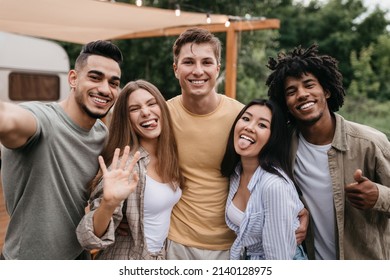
119	182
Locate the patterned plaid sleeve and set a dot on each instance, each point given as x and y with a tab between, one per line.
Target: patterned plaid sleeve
85	230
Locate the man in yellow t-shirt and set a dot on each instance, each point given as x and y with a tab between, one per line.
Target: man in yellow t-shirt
202	119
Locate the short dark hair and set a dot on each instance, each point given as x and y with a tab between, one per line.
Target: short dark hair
302	61
101	48
274	154
197	36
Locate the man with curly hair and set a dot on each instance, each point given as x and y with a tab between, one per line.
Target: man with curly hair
341	168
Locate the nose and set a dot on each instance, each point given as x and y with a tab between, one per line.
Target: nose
145	111
104	88
250	127
198	69
302	93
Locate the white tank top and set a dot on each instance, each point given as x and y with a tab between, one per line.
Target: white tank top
158	203
234	214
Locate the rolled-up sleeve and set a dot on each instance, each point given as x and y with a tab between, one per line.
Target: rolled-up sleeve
85	230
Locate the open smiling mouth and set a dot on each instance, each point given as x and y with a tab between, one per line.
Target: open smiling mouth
149	124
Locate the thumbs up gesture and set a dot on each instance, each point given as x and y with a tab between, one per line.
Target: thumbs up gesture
362	193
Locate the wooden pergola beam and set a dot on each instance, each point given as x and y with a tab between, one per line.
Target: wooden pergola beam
232	48
231	42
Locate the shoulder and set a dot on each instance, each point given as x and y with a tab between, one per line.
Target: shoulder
362	132
44	113
173	100
231	102
273	183
174	104
36	106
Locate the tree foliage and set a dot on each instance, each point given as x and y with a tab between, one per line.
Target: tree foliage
358	39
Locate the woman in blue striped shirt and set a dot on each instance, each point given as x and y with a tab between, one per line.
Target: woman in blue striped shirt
263	204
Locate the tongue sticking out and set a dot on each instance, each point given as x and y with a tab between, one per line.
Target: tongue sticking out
243	143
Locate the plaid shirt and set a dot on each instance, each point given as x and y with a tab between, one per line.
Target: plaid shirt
112	245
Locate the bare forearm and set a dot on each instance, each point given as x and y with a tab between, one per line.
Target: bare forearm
102	218
17	125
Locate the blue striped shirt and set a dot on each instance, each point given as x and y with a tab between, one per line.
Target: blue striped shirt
267	230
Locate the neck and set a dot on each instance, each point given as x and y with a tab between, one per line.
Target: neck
249	166
76	114
320	133
201	105
150	145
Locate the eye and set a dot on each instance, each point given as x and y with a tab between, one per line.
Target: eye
94	77
114	84
208	62
263	125
290	92
244	118
311	85
133	109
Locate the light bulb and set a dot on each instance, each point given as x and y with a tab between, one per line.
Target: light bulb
208	19
177	10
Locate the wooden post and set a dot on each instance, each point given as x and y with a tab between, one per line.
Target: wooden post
231	62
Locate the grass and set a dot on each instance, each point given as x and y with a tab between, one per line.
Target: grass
369	112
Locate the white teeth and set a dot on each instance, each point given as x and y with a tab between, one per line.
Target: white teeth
307	105
198	82
147	123
97	99
247	138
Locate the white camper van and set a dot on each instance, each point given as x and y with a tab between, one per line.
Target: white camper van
32	69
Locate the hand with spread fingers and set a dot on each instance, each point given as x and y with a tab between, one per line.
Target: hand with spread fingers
116	183
116	187
363	193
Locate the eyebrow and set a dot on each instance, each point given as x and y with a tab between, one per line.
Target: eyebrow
102	74
305	81
147	101
309	80
262	119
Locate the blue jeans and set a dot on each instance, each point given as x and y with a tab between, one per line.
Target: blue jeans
300	253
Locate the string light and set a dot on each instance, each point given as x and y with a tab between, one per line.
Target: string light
177	10
208	19
138	3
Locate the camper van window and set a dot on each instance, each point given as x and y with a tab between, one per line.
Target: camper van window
33	86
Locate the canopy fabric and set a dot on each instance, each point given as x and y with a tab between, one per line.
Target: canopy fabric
82	21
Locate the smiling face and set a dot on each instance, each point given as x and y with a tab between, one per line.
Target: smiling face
197	69
306	99
96	85
252	131
145	115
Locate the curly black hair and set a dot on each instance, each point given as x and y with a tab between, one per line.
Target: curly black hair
303	61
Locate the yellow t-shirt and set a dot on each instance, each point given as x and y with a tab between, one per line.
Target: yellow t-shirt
198	219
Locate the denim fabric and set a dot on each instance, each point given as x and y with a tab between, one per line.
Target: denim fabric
300	253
